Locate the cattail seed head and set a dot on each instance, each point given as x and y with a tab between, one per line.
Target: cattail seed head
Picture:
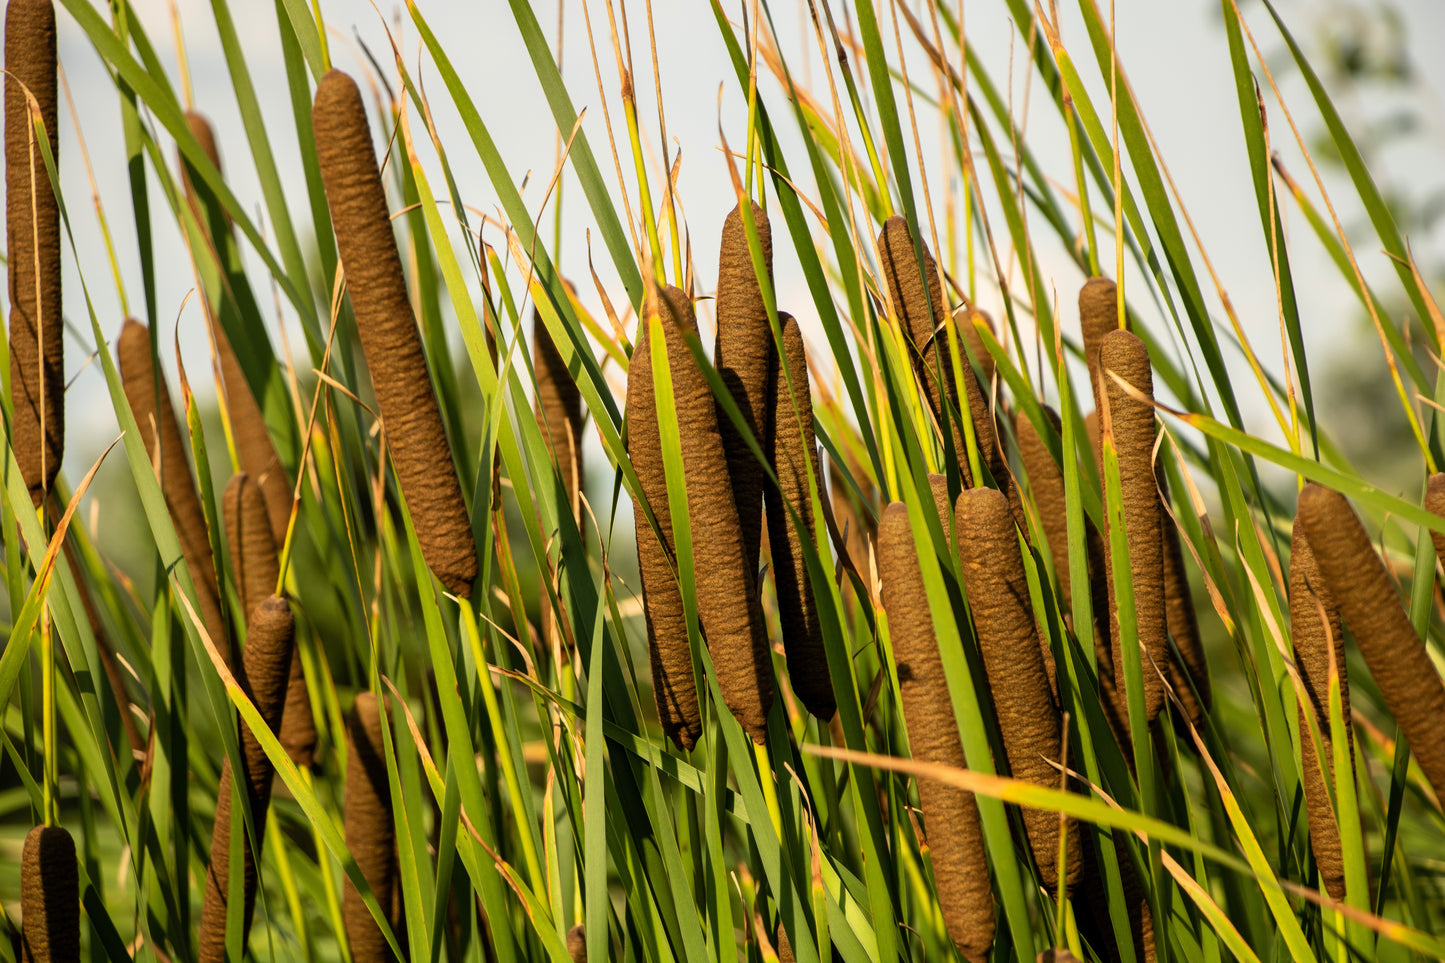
1132	424
32	220
795	460
150	402
1360	586
49	897
265	665
746	362
1315	629
969	321
1098	316
577	944
1028	720
370	830
389	336
1435	504
960	868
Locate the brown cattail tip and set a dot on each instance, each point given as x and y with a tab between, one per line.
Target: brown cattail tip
1098	313
735	266
1435	504
202	131
1124	355
370	830
972	323
248	535
389	337
577	944
49	895
917	294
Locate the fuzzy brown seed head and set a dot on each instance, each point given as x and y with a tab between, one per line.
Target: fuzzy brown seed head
370	830
150	402
577	944
388	331
248	535
32	220
1315	630
747	364
1370	607
1028	719
558	408
1132	423
916	291
674	688
265	663
795	460
1098	315
955	838
1046	482
49	897
969	319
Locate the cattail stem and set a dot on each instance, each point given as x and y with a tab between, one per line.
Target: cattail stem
32	215
389	337
1318	640
264	667
1360	586
955	837
1131	423
49	897
150	402
370	830
747	363
1028	720
795	460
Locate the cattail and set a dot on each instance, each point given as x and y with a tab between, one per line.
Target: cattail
747	364
1313	638
49	897
1046	482
1189	680
1028	719
264	663
389	336
1360	586
1095	926
969	321
32	217
370	830
1435	504
732	622
150	402
257	571
795	459
577	944
1130	422
856	527
960	868
673	686
254	447
1098	316
559	413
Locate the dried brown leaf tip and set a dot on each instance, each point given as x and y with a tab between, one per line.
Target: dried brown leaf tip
49	897
389	336
746	362
150	402
370	830
1318	640
1357	580
32	219
265	664
791	525
950	814
1130	419
1028	720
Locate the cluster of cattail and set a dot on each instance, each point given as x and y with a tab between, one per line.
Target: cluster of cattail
727	488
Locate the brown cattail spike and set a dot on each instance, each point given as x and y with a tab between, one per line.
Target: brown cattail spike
1189	678
746	362
971	324
960	869
1360	586
558	409
736	638
1435	504
1132	424
370	830
388	330
150	402
1028	719
266	660
1315	628
1046	481
1098	316
32	221
795	459
577	944
673	686
49	898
